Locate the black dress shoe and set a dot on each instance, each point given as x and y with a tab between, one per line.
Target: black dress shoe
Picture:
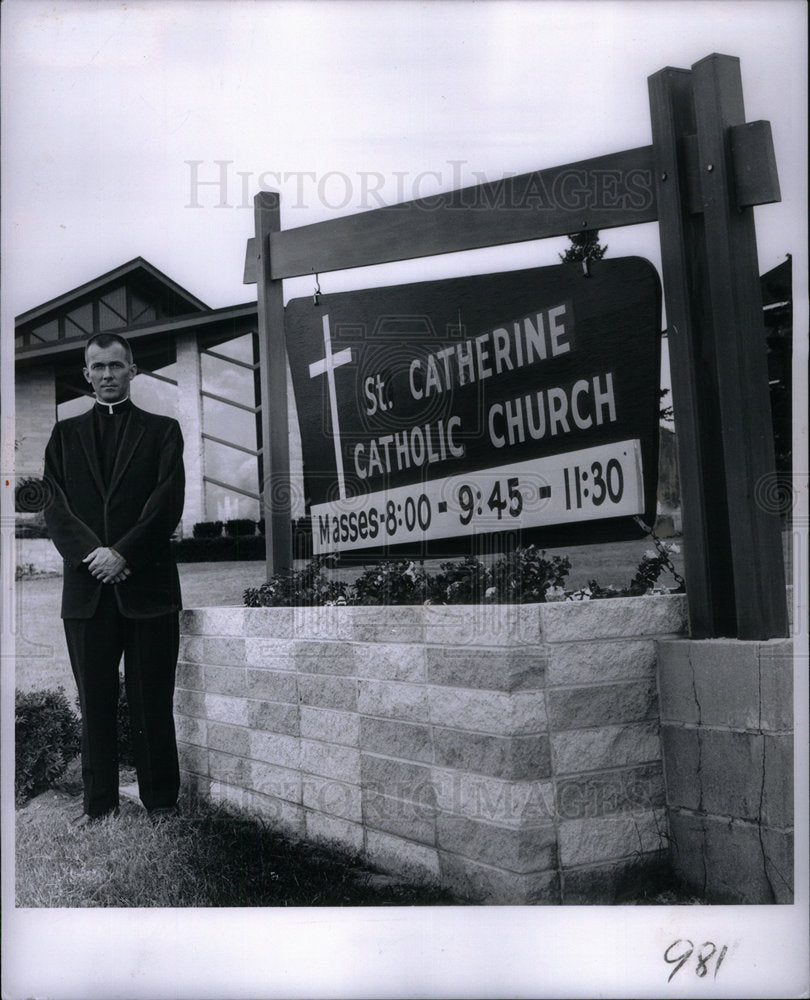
86	819
158	813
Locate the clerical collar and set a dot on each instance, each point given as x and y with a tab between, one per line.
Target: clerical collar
122	406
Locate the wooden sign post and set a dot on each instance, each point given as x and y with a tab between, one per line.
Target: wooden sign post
700	179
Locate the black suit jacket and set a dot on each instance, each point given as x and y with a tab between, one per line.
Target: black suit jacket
136	514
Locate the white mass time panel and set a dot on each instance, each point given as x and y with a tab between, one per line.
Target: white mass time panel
600	482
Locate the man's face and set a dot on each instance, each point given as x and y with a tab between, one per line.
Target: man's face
109	372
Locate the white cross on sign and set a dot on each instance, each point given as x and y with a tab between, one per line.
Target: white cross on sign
328	365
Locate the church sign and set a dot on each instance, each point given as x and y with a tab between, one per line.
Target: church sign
516	402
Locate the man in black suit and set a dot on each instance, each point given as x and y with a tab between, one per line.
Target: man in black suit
116	481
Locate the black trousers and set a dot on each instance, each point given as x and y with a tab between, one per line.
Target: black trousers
150	647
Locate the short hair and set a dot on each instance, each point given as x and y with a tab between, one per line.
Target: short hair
107	340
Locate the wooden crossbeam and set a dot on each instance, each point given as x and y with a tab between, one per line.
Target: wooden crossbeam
545	203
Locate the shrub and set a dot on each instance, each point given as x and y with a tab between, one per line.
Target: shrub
397	582
307	587
48	737
524	575
207	529
464	582
240	526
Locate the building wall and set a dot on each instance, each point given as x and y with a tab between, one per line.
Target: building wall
727	735
509	753
34	418
189	416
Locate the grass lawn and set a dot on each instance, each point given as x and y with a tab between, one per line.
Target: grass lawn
205	857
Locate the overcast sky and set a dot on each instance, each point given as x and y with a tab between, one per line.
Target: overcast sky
104	104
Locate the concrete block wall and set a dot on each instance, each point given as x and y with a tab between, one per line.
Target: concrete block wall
727	734
509	753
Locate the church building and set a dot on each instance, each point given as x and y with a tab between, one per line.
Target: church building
197	364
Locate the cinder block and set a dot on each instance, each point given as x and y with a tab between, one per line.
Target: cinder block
726	673
396	777
221	708
482	797
323	622
226	680
512	757
511	669
778	850
270	653
577	750
682	766
332	830
190	730
676	682
213	650
488	711
335	798
222	793
231	739
192	784
326	691
192	758
393	699
727	862
192	648
283	816
274	717
189	675
622	616
481	883
482	625
273	749
777	790
275	782
776	685
228	769
272	685
228	621
330	727
403	661
392	853
520	850
731	772
388	625
600	793
189	703
614	883
401	817
602	705
321	657
191	621
598	662
330	761
620	835
269	623
396	739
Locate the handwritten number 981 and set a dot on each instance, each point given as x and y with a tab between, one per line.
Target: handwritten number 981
684	949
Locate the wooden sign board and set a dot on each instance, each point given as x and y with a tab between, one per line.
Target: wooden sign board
523	403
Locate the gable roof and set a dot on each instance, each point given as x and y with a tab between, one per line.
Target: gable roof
145	274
